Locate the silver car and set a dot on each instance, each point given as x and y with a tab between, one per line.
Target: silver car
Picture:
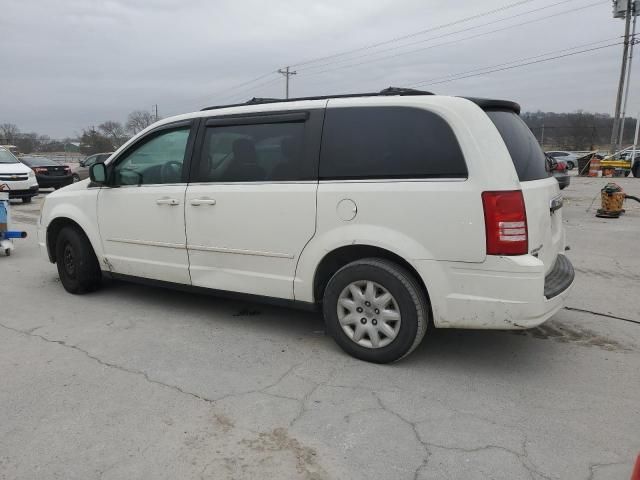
82	170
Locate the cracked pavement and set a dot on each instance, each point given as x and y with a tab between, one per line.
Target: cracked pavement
138	382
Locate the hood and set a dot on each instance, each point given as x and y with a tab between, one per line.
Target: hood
72	187
14	168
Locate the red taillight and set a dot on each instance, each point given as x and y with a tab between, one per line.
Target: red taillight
40	170
505	221
67	168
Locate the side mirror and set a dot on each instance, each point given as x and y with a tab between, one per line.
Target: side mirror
98	173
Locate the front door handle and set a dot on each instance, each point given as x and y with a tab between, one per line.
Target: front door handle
202	201
167	201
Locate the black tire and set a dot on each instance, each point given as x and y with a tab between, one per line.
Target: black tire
76	178
636	170
570	165
26	199
77	264
408	294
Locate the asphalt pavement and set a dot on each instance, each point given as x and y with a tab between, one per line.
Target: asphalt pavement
140	382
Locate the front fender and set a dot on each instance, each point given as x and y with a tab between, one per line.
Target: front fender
77	206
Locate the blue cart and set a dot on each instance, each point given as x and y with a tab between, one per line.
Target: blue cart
6	235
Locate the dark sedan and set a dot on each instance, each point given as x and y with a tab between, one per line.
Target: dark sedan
49	174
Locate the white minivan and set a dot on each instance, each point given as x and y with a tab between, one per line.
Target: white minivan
392	212
16	177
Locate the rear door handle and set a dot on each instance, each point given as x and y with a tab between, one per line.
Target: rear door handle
167	201
202	201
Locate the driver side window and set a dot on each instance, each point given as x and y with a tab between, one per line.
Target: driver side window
158	160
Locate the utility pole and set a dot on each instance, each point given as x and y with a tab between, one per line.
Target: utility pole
626	93
287	73
155	110
623	71
542	136
635	140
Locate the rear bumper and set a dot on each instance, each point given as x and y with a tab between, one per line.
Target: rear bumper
560	278
504	293
563	180
54	181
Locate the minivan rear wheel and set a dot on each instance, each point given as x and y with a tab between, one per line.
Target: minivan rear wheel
375	310
76	261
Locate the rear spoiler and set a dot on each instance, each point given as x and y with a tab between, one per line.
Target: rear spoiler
489	104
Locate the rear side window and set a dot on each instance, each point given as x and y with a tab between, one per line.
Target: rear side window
388	142
253	153
526	154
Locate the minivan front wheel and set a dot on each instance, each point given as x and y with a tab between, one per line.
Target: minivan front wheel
375	310
77	264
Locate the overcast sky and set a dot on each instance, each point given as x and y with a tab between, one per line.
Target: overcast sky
68	64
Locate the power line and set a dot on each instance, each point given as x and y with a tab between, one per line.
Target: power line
450	42
414	34
525	58
397	47
243	92
491	68
235	87
247	92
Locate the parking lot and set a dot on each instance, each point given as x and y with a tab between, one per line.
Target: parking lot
141	382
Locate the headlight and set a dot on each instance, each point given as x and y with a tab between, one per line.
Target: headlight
31	174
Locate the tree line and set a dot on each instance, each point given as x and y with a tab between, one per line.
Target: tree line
106	137
576	131
555	131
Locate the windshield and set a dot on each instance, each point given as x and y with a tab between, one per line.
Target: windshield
7	157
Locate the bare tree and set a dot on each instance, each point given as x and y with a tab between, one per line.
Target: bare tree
8	132
114	131
92	141
139	120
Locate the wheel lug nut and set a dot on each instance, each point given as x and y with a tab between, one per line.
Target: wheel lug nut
359	309
377	311
368	304
363	320
374	321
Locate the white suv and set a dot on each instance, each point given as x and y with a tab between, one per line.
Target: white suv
390	211
17	177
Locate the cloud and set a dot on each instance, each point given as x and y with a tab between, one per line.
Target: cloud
73	63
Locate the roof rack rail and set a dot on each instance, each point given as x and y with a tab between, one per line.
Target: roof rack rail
390	91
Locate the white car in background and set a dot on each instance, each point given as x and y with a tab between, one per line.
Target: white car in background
18	178
390	212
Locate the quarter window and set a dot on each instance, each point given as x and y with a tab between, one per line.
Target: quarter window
388	142
527	156
253	153
158	160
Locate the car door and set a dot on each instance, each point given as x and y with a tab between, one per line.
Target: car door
251	203
141	212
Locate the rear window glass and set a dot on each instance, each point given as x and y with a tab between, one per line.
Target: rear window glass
526	154
388	142
39	162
